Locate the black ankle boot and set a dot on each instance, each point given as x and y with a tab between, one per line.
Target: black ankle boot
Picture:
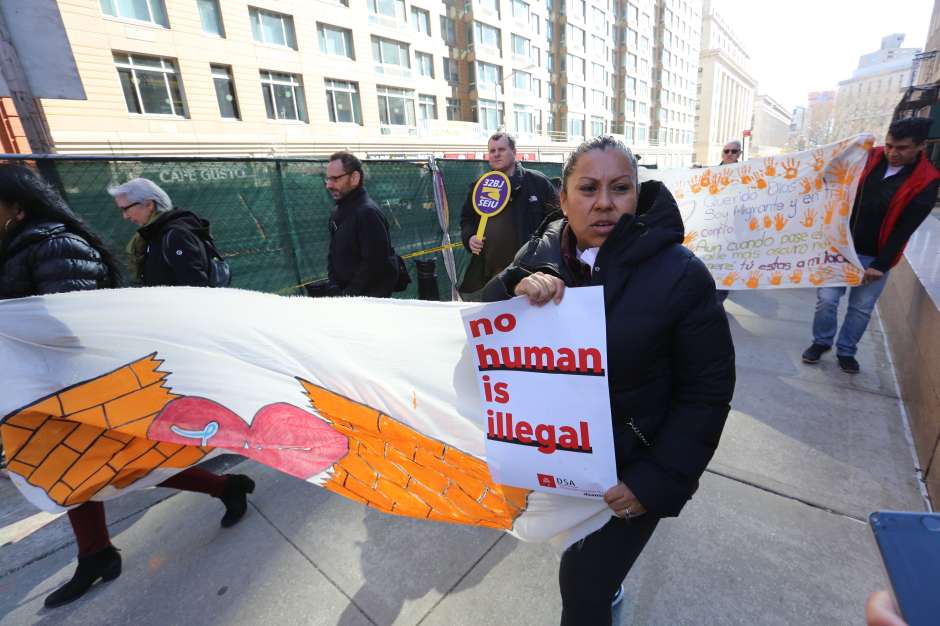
105	565
237	488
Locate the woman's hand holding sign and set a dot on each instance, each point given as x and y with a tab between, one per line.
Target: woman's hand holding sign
541	288
623	502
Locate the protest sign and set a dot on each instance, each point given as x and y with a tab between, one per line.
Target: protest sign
490	196
542	373
774	222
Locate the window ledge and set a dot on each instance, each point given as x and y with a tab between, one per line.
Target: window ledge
163	117
134	22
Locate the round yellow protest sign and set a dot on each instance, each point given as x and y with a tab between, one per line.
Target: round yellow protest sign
490	196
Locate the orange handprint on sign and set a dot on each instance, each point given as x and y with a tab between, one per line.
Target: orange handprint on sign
807	186
694	184
809	218
780	221
768	223
753	224
729	279
844	175
791	167
760	181
820	182
689	238
753	280
796	276
769	168
744	174
706	179
819	276
724	177
679	195
775	278
830	210
818	161
851	275
843	235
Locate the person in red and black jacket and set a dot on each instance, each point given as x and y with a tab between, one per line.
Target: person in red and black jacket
896	192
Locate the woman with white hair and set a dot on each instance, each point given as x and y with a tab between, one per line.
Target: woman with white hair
169	247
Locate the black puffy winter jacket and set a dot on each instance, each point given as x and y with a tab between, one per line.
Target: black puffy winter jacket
671	359
44	257
176	254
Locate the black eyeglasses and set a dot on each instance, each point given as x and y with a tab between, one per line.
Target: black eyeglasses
731	151
333	179
125	209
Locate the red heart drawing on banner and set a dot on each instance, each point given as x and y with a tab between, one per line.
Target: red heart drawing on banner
281	435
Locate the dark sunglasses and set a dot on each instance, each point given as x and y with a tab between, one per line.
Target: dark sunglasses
732	151
125	209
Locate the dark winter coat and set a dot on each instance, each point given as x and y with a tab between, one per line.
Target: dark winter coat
671	359
361	260
176	254
533	198
44	257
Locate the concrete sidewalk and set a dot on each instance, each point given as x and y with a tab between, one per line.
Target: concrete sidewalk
777	534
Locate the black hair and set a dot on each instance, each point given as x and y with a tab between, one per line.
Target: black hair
915	128
601	142
351	163
509	138
40	202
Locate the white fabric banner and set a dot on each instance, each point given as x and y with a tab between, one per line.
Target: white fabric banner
774	222
112	390
542	373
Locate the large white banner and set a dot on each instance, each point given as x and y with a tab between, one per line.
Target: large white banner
542	373
774	222
376	400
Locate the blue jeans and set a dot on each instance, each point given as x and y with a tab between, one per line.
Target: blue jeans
862	300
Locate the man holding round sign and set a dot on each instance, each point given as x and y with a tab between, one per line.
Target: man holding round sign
504	207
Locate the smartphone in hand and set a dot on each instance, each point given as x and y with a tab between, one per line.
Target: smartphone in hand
910	548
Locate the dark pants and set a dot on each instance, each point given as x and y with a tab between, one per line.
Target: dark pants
591	570
91	527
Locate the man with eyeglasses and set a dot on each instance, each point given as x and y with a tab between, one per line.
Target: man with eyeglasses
731	153
361	261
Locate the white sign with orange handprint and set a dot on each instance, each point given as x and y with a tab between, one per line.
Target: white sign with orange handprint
756	222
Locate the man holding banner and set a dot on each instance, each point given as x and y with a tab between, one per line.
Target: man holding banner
532	198
896	192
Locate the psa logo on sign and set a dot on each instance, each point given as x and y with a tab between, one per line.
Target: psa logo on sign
556	482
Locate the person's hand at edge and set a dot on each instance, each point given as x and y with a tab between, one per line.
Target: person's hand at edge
880	610
541	288
623	502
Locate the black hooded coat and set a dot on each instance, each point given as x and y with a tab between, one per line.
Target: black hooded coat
670	355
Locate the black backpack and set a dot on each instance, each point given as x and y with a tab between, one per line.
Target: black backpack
220	274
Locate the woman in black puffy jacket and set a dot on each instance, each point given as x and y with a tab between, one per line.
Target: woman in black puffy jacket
45	248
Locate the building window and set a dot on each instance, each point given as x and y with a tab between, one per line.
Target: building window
488	74
520	46
451	74
225	91
453	109
631	106
211	17
388	8
283	96
575	95
523	118
598	99
448	31
396	106
492	5
628	132
151	11
597	126
520	10
425	64
522	81
486	35
151	84
335	40
421	21
272	28
389	54
342	101
575	126
575	37
489	114
576	66
427	107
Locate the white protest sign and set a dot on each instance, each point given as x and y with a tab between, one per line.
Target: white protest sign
542	373
774	222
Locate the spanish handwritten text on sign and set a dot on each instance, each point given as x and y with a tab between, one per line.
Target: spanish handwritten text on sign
542	373
774	222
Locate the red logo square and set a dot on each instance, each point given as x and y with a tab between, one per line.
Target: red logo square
547	480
